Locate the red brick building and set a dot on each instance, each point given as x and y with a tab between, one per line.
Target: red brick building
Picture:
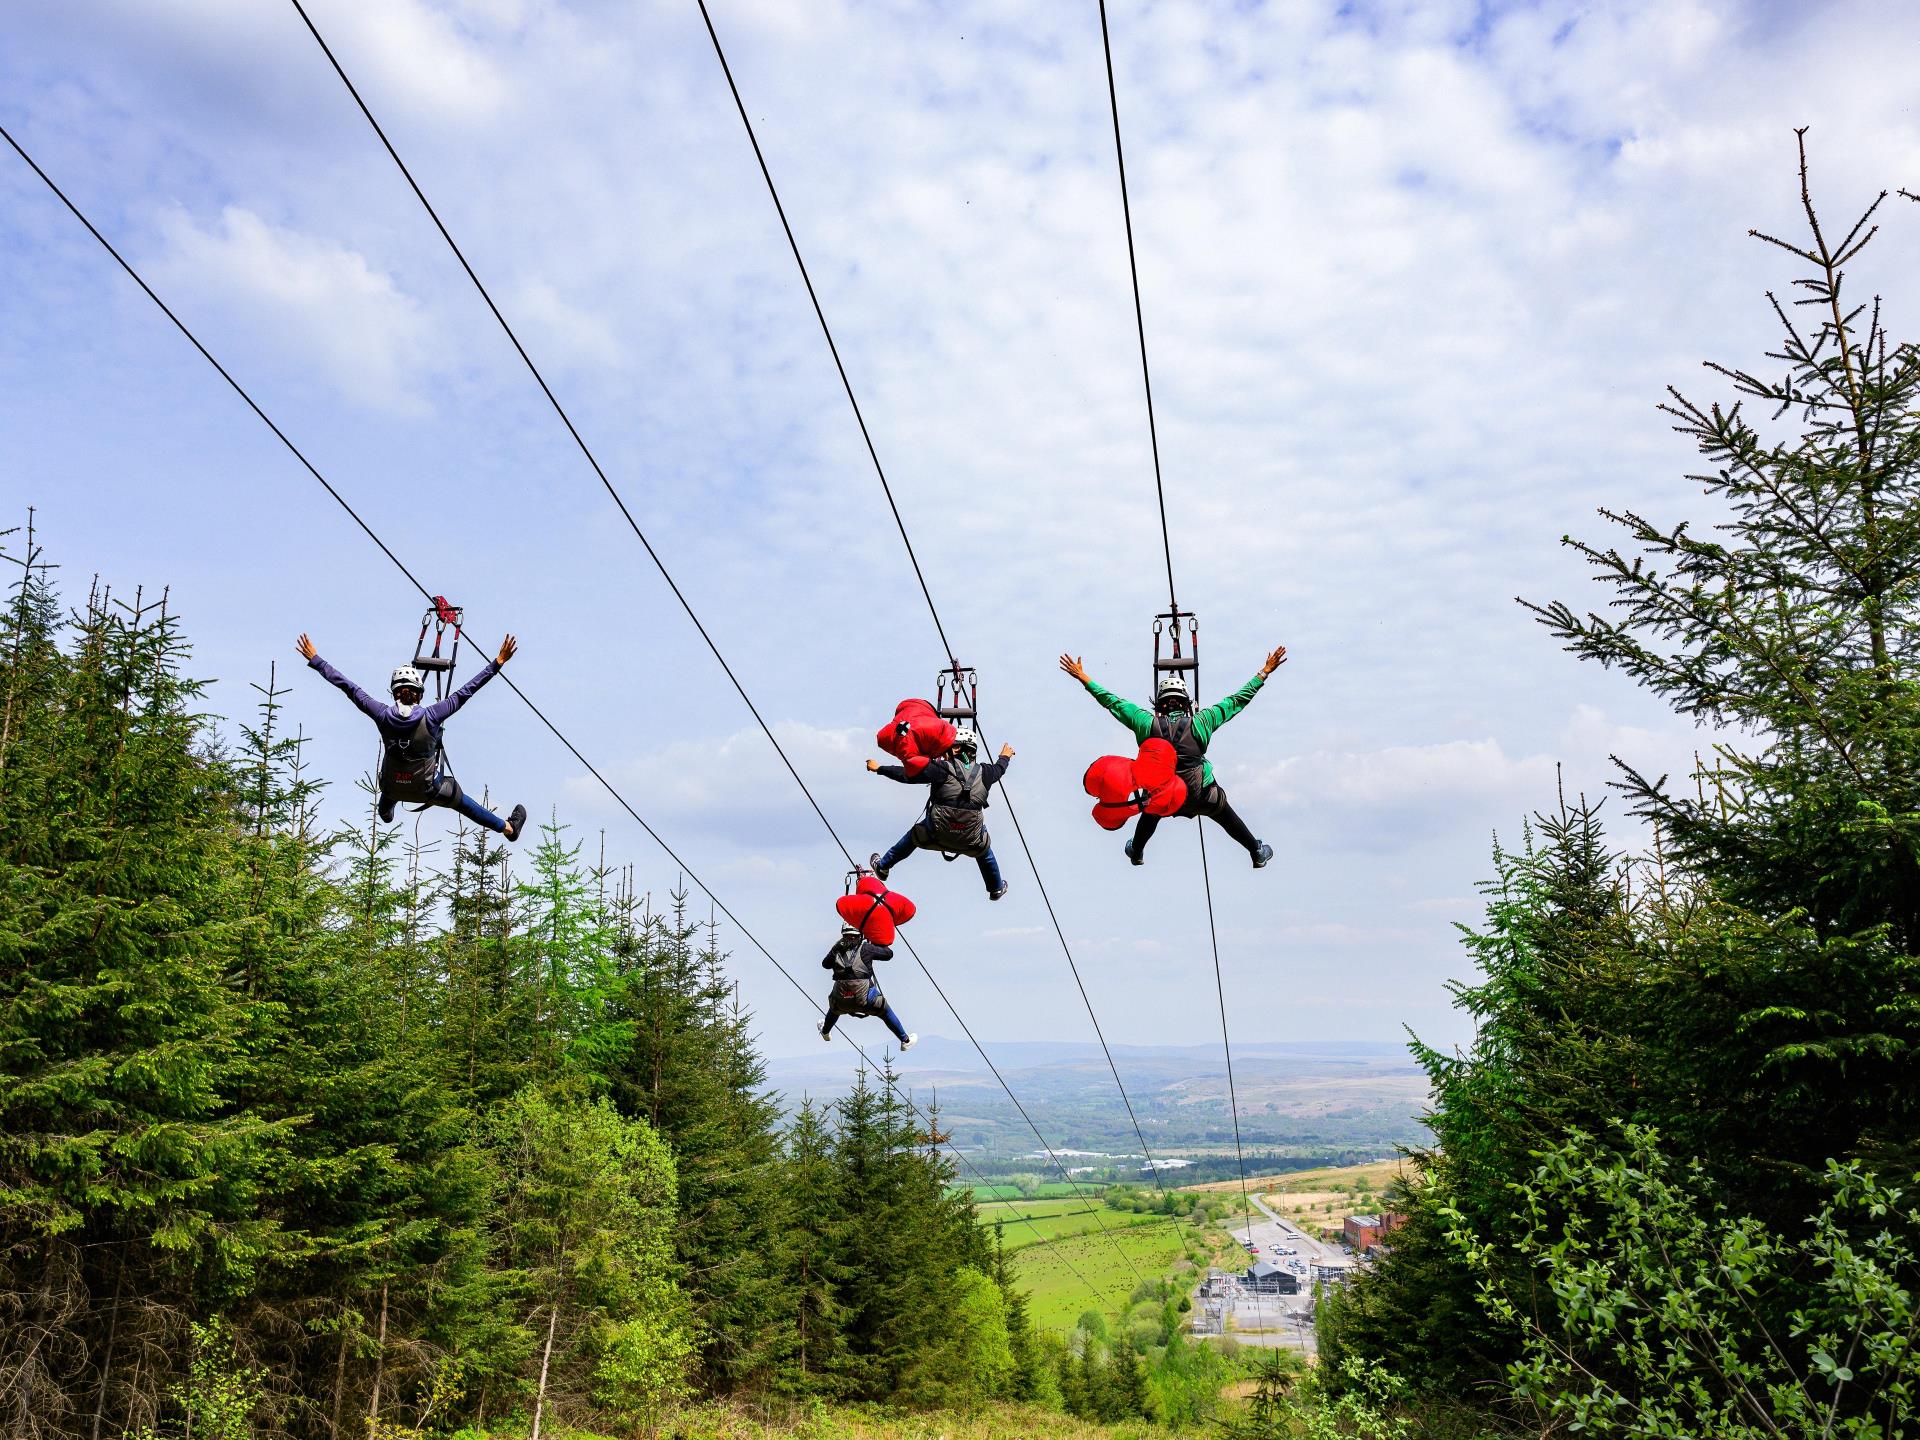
1369	1232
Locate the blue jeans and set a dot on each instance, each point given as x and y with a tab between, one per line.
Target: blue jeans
479	814
876	1002
906	845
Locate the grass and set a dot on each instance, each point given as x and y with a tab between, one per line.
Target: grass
1051	1190
998	1421
1049	1220
1317	1200
1057	1275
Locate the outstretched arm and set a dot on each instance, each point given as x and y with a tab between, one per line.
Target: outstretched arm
922	776
1136	719
991	773
1217	714
441	709
368	706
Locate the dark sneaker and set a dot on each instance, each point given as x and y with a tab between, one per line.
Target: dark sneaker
516	822
1134	855
386	811
996	894
1262	855
879	870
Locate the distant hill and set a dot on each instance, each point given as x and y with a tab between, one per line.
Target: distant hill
1306	1098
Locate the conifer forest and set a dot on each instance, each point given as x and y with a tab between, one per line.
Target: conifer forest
319	1127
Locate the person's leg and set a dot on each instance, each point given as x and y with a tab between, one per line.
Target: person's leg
902	848
1215	807
826	1025
874	997
386	803
479	814
1142	833
990	873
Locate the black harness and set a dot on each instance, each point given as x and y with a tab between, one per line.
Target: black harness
955	801
1190	752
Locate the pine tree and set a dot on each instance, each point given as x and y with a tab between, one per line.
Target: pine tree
822	1233
1791	621
125	1182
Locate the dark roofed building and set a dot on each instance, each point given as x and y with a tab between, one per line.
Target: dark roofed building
1269	1279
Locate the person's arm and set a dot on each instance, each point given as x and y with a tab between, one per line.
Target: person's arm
368	706
1219	713
899	773
440	710
1125	711
992	772
878	952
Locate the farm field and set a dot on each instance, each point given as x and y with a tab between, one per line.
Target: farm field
1057	1297
1320	1199
1048	1220
1069	1240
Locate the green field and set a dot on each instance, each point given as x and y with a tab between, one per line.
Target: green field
1046	1220
1052	1190
1057	1296
1069	1239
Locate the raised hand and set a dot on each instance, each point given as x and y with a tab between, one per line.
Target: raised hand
1275	660
1006	752
507	647
1071	664
305	647
872	766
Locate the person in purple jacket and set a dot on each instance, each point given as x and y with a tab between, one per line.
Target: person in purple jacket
412	767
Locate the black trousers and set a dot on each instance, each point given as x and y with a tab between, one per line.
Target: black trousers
1209	801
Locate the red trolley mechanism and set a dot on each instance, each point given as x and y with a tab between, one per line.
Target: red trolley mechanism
956	694
1175	625
442	618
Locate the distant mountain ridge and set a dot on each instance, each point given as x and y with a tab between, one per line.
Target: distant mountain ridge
1292	1094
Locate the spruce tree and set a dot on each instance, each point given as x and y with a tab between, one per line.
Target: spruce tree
1792	621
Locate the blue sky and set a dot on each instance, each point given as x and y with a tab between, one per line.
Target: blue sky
1414	276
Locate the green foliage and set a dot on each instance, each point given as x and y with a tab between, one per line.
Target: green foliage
219	1396
438	1140
982	1350
1745	991
1661	1303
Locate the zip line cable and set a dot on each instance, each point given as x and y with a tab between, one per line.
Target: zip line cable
527	700
1139	314
860	419
660	565
1166	543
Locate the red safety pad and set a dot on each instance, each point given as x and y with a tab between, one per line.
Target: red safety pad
1126	787
915	735
874	910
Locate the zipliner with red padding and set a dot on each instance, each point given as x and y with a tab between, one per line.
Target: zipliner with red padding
1143	785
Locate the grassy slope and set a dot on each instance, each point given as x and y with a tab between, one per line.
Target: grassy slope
991	1422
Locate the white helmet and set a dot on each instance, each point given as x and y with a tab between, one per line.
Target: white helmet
1172	691
965	744
403	676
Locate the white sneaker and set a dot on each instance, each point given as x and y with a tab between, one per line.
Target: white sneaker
907	1044
825	1034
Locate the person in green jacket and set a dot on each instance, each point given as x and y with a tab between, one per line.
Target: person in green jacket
1172	719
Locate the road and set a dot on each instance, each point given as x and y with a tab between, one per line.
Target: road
1278	1320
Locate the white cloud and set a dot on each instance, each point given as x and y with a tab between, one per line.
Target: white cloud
317	299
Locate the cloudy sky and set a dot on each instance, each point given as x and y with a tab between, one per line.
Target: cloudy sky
1414	276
